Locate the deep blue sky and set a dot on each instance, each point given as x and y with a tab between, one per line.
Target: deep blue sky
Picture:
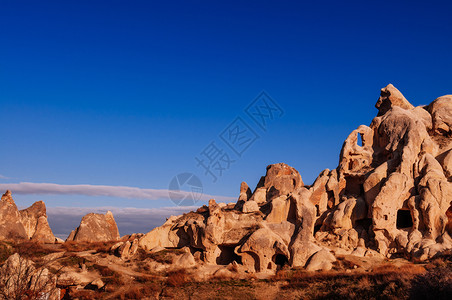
128	93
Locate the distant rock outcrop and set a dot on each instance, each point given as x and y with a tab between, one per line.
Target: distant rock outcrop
96	228
30	223
11	226
390	196
35	222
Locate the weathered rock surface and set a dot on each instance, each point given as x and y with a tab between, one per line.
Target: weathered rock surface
11	226
390	196
19	274
96	228
30	223
35	222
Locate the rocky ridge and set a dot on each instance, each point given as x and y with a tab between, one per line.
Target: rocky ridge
390	197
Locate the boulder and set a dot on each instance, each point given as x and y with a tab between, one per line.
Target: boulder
96	228
250	207
321	260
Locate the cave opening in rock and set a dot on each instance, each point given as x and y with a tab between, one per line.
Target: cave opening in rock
364	223
404	219
449	223
317	228
354	185
280	260
228	255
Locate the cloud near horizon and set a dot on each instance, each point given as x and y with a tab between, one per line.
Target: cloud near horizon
29	188
130	220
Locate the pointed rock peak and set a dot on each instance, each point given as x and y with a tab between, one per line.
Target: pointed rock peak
37	209
7	197
7	194
390	97
96	227
244	187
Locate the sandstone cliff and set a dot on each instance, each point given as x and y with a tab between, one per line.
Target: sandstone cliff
390	196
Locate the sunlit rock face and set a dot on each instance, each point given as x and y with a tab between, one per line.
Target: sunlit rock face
390	196
96	228
27	224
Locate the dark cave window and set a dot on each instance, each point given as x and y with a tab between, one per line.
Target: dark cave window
228	255
280	260
317	228
449	223
364	223
354	185
404	219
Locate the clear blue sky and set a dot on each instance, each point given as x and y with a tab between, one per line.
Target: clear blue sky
128	93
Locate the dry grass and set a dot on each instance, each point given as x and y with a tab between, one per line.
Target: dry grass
139	291
85	295
72	260
436	283
386	281
177	278
5	251
32	250
100	247
165	256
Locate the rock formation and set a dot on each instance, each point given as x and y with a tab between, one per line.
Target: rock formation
11	226
35	222
390	196
21	279
96	228
30	223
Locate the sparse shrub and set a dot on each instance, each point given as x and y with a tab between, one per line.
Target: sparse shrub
165	256
133	292
5	252
86	295
139	291
113	279
70	259
104	271
21	279
32	250
177	278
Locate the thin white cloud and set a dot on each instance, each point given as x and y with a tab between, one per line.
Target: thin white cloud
130	220
3	177
29	188
129	211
